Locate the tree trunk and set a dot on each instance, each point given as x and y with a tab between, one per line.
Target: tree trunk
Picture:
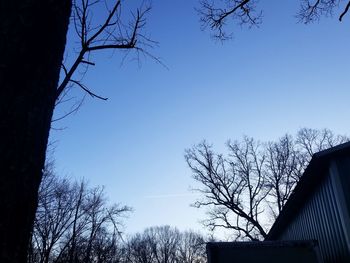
32	41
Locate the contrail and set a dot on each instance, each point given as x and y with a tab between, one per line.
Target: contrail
170	195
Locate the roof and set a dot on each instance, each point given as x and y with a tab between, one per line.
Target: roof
311	178
263	252
271	244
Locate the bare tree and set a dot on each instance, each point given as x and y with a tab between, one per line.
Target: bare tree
241	191
140	249
191	248
312	140
32	43
311	11
233	187
284	167
216	13
101	221
75	224
113	33
164	244
54	215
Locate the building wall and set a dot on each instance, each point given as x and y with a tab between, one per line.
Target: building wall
324	217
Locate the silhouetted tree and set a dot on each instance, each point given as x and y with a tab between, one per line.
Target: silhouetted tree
74	224
313	141
54	215
232	187
284	166
191	248
32	43
164	244
216	14
140	249
254	180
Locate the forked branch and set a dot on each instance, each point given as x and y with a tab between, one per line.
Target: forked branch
111	34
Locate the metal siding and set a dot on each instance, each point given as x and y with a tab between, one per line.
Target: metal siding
341	182
320	219
338	234
341	240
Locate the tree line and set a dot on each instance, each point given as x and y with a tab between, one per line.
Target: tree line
75	223
243	192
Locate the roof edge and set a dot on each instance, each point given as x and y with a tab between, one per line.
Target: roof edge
308	182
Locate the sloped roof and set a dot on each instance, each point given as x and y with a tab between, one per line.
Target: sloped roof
316	170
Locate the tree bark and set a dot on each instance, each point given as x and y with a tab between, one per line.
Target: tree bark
32	42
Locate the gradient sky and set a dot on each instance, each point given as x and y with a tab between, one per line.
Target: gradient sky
265	82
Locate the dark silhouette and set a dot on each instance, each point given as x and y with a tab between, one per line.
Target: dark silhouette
164	244
253	183
32	43
74	223
264	252
216	14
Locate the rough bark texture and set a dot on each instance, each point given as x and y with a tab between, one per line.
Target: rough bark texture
32	41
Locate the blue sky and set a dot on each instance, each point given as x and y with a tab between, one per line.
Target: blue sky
265	82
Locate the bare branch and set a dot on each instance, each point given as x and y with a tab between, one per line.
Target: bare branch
312	10
112	34
215	16
72	110
87	90
345	11
88	62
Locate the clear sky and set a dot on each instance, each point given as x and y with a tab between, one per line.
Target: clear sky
265	82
